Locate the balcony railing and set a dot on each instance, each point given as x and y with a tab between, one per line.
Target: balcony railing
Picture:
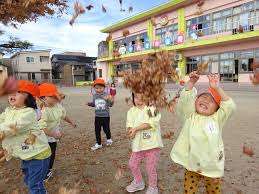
229	27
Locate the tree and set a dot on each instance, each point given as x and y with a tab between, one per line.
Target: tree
14	45
13	12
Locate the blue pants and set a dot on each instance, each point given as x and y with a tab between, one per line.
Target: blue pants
35	172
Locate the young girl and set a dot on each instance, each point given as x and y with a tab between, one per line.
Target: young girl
144	129
113	90
199	147
22	138
51	115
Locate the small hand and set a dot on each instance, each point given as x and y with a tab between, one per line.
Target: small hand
2	135
194	77
132	132
214	80
57	134
255	78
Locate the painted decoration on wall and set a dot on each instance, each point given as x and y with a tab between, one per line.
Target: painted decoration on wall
157	43
153	21
122	49
130	48
194	36
180	38
139	44
164	20
147	45
168	38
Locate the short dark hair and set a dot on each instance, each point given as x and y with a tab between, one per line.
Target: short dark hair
30	102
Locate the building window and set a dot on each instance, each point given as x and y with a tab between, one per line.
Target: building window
168	34
225	20
100	73
29	59
44	59
132	43
246	61
33	76
192	63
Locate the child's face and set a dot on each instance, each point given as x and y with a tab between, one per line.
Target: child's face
17	99
205	105
138	100
50	100
99	89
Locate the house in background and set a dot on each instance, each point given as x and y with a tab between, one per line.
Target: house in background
32	65
3	68
73	68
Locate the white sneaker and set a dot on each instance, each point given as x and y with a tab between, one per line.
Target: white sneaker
96	147
133	187
152	190
109	142
48	176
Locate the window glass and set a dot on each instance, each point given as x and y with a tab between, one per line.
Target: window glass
237	10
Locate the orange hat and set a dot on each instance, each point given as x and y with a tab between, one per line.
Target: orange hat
182	82
216	96
48	89
26	86
36	91
99	82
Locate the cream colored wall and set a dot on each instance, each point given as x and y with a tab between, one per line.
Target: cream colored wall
23	66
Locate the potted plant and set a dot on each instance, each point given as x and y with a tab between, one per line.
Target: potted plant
125	33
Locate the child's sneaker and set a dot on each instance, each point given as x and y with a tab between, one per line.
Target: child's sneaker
152	190
133	187
96	147
48	176
109	142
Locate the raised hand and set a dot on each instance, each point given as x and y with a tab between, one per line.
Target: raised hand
214	80
255	77
194	77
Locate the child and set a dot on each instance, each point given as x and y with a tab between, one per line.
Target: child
22	138
51	115
102	103
199	147
113	90
144	129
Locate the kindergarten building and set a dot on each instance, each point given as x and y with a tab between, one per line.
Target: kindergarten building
226	32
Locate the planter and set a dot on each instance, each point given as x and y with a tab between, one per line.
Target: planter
125	33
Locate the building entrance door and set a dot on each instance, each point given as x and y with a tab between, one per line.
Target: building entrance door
227	71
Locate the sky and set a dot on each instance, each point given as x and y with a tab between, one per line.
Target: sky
56	34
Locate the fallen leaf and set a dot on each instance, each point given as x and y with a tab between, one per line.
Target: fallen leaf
248	150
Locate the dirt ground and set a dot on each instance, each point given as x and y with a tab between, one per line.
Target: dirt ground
93	172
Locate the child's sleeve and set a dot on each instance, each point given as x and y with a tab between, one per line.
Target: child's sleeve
91	104
22	121
2	117
186	104
225	111
64	112
129	123
43	120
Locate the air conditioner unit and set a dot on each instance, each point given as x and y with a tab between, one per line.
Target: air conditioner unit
178	57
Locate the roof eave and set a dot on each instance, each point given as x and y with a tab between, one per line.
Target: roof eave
141	16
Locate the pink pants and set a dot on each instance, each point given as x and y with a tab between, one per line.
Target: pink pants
152	157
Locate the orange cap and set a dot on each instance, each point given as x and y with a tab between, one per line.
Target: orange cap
26	86
36	91
216	96
48	89
182	82
99	82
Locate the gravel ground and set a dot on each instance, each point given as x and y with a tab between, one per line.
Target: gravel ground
93	172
